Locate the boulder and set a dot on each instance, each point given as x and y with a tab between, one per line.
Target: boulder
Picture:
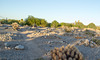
19	47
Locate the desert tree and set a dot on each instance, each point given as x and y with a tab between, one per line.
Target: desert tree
54	24
91	25
43	23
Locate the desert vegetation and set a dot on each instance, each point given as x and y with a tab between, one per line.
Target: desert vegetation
31	21
36	39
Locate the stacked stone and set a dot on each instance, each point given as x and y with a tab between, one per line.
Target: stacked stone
15	26
66	53
86	42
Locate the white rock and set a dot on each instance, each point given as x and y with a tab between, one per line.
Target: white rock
61	42
86	42
19	47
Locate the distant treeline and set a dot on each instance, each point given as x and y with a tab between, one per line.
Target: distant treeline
31	21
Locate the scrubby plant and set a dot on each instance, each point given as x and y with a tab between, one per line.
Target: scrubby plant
43	23
9	21
90	33
67	29
92	25
22	23
78	37
97	41
98	27
15	26
67	24
54	24
69	52
79	24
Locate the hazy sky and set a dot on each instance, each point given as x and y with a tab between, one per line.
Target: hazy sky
68	11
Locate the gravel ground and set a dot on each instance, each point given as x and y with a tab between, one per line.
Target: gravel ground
37	47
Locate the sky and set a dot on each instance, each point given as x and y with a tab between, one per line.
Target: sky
68	11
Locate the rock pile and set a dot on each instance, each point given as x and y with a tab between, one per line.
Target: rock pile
87	42
15	26
13	45
5	37
66	53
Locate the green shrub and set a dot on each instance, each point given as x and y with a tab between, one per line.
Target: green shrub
22	23
79	24
67	24
9	21
43	23
92	25
54	24
32	20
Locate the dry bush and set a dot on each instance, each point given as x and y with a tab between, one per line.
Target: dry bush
67	29
15	26
66	53
0	24
97	41
98	27
90	33
78	37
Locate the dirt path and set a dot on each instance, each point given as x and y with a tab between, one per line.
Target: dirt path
33	51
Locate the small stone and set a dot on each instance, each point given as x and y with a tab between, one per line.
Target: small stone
79	43
5	47
86	44
61	42
91	45
91	42
95	44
